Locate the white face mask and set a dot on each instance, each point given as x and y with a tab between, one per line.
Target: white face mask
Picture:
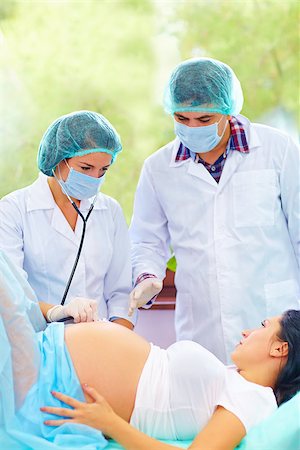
79	185
199	139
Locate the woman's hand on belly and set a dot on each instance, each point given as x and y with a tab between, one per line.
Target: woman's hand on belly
101	416
97	414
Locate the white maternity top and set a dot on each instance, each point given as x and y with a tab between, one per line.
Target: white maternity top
180	388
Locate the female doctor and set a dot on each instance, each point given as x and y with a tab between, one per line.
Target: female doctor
41	225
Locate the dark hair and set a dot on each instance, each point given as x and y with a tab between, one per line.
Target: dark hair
288	382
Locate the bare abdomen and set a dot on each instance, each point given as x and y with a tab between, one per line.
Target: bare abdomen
110	358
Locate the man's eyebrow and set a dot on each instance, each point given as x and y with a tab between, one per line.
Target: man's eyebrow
199	117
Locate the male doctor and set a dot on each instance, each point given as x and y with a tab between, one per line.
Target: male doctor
225	196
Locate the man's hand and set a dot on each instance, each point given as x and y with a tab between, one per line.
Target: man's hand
143	292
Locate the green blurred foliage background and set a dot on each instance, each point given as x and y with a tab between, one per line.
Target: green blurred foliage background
114	57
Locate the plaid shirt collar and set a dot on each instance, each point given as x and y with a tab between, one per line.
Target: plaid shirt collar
237	142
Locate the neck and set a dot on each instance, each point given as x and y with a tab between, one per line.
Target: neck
63	202
59	197
264	374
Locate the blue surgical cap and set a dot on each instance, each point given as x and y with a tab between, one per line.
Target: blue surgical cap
205	85
76	134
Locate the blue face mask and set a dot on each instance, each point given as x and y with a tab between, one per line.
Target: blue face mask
80	186
199	139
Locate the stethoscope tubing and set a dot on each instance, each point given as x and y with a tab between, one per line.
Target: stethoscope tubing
84	220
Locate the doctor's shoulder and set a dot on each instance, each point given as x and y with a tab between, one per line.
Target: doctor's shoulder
13	212
162	156
16	200
275	139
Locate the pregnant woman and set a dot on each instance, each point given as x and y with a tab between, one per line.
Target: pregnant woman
183	392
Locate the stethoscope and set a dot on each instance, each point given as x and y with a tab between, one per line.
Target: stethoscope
84	220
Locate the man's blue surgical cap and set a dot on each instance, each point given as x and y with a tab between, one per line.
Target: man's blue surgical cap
76	134
205	85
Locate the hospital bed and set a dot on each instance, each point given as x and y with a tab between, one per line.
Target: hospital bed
280	431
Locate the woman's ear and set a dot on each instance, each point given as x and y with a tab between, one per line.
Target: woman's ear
279	349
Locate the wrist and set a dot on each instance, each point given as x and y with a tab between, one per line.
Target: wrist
55	313
115	427
143	276
124	322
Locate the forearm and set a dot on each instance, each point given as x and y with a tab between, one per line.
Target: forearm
132	439
20	333
149	233
151	258
223	432
44	307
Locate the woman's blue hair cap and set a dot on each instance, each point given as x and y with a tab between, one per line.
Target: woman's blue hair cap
76	134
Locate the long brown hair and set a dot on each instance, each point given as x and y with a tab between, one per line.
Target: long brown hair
288	382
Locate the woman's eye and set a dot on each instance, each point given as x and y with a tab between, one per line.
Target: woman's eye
85	168
102	172
263	324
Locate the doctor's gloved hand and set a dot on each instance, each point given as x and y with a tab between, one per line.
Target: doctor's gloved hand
143	292
80	308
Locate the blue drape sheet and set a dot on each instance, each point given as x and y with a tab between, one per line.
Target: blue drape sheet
33	362
25	429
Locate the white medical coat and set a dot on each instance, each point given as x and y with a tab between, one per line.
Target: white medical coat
37	237
236	242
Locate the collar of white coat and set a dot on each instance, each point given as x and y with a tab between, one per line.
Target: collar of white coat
41	197
251	136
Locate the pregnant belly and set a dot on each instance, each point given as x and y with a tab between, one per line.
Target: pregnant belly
109	358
